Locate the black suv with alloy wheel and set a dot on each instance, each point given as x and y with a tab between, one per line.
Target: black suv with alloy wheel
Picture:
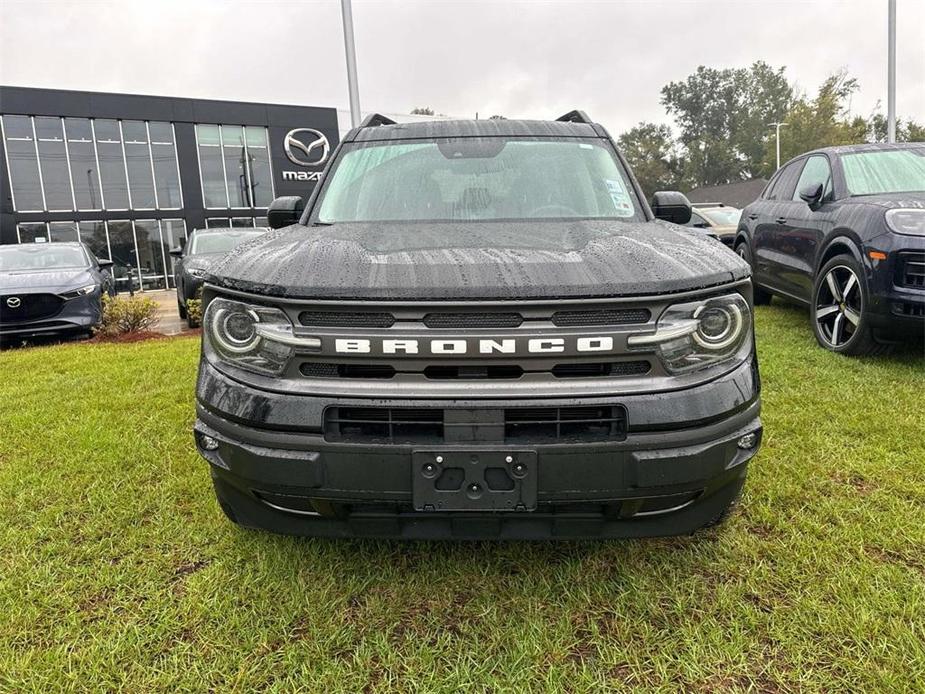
842	230
478	329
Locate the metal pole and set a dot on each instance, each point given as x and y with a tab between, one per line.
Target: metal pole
777	127
350	48
891	75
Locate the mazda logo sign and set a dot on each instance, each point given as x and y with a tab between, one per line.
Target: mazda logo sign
307	147
13	302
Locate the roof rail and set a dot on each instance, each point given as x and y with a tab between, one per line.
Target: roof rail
708	204
376	119
575	116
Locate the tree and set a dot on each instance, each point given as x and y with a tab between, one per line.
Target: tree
497	117
652	153
819	122
722	116
906	131
422	111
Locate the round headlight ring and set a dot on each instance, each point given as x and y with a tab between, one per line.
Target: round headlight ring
730	332
227	339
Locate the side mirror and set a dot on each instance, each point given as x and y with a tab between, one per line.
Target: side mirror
285	211
176	252
104	264
671	206
812	194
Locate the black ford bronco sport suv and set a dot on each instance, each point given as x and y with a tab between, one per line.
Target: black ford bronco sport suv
478	329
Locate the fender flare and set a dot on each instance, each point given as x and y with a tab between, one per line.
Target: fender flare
840	241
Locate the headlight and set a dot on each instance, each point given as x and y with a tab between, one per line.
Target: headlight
699	334
906	221
82	291
198	273
256	338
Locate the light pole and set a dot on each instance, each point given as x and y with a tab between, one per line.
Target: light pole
350	48
891	75
777	141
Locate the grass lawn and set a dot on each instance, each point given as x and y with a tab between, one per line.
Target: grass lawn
118	571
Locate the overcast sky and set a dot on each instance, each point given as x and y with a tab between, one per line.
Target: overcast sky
519	59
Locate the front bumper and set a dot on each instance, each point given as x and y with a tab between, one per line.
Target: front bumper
897	306
678	467
78	315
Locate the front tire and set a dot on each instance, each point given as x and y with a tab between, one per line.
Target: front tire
181	309
840	309
761	297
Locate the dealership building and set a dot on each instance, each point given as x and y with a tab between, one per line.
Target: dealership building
130	175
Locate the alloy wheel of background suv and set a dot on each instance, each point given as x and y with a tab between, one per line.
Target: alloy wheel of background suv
839	309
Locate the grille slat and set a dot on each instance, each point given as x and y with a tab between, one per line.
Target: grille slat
913	271
606	316
473	320
347	319
527	425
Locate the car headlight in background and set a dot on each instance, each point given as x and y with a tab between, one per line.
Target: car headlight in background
197	272
82	291
904	220
252	337
699	334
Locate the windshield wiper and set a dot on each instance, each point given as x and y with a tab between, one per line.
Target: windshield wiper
322	224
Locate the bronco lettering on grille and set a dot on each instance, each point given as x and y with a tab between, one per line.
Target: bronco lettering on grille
462	346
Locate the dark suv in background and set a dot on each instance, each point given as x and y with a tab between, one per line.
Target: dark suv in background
204	247
478	329
842	230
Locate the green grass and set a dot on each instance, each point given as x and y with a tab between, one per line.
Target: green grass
118	571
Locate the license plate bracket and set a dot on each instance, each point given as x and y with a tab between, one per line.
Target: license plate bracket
474	480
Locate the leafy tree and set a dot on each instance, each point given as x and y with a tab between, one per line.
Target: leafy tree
497	117
651	152
723	115
819	122
906	131
422	111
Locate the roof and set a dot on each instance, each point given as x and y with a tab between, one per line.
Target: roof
866	147
738	194
474	128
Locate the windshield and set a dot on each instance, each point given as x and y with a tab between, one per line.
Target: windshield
477	179
722	216
41	257
886	171
220	242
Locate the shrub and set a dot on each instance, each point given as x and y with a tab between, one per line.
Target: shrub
127	315
194	309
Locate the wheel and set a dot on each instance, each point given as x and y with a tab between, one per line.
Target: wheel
840	314
181	309
191	322
760	296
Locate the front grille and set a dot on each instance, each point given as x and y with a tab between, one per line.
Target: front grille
606	316
523	425
475	372
347	319
320	370
912	270
31	307
909	310
473	320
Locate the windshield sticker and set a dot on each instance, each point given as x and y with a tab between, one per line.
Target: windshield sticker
621	199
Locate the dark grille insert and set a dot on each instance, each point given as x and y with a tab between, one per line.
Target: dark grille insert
560	424
600	370
603	316
31	307
912	271
449	373
319	370
473	320
344	319
525	425
383	425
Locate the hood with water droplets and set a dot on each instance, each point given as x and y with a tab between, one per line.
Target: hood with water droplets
478	260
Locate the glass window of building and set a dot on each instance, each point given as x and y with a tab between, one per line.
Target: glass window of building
122	247
211	166
85	177
213	222
242	221
166	171
94	235
31	232
150	254
260	176
63	231
112	164
235	166
172	232
138	164
22	159
56	181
